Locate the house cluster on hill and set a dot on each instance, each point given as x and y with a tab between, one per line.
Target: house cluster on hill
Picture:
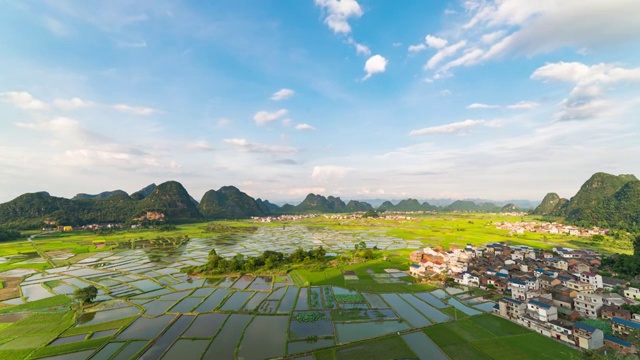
555	293
522	227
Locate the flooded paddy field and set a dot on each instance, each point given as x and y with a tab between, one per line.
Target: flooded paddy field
148	309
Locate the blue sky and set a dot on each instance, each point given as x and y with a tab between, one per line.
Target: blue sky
359	99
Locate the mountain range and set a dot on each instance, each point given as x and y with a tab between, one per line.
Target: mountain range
604	200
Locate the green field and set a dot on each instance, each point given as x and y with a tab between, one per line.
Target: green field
391	347
490	337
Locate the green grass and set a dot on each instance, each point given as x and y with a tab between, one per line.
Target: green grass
54	301
489	337
115	324
348	315
453	312
15	354
392	347
69	348
24	336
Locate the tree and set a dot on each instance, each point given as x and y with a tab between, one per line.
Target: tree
86	295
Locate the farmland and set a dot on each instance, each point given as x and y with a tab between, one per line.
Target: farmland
345	309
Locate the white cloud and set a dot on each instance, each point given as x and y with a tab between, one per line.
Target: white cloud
200	146
444	53
287	122
492	37
224	122
482	106
585	101
282	94
264	117
470	57
22	100
145	111
375	65
435	42
446	92
70	104
304	127
362	49
454	128
338	14
417	48
523	105
245	145
329	172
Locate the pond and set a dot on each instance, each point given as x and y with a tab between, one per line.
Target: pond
261	283
302	330
66	340
129	350
97	317
486	307
186	305
205	326
144	328
236	301
255	301
225	343
465	309
431	312
295	347
157	307
106	352
289	298
35	292
302	302
226	282
243	282
213	301
255	345
348	332
165	340
406	311
203	292
424	347
375	301
434	301
186	349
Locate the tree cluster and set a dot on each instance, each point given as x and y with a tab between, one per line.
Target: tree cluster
625	265
268	260
8	235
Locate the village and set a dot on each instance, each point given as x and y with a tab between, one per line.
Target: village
522	227
557	293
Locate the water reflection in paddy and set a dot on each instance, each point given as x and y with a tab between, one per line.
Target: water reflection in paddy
225	343
108	315
205	326
186	349
255	345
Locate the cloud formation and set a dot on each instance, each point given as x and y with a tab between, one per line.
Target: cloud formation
375	65
282	94
247	146
453	128
265	117
135	110
22	100
338	13
304	127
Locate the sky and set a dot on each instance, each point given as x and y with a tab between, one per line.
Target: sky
360	99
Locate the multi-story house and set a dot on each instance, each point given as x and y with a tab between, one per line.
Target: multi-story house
632	293
591	278
586	336
588	305
580	286
611	311
620	345
511	308
541	311
623	326
518	289
562	330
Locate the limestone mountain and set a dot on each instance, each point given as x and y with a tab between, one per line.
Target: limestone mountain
508	208
319	204
386	206
230	203
102	195
144	192
593	192
267	207
355	205
468	205
548	204
169	201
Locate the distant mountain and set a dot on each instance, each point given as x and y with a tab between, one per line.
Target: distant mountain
319	204
230	203
144	192
470	206
354	206
508	208
267	207
605	200
547	205
407	205
169	201
102	195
